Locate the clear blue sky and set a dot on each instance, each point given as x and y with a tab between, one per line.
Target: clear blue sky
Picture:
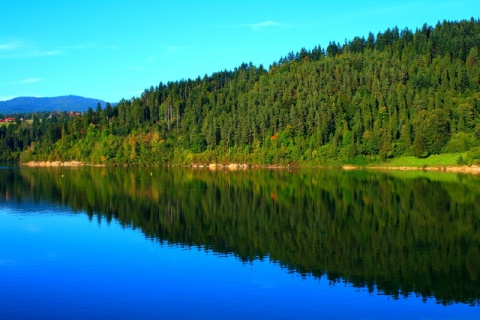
115	49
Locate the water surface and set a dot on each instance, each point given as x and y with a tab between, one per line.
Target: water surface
83	243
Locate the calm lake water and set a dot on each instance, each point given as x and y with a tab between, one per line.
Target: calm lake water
117	243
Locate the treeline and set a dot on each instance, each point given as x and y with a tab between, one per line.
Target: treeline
397	93
399	236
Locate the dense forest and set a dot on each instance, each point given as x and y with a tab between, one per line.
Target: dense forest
401	236
400	92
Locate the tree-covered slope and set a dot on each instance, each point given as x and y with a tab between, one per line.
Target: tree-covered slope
34	104
397	93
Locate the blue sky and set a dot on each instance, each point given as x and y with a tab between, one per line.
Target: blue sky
115	49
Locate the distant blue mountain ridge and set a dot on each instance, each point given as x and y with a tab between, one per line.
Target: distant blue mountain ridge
63	103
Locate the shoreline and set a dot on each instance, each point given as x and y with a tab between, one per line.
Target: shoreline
452	169
56	164
474	169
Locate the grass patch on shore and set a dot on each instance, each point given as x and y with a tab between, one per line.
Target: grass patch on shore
436	160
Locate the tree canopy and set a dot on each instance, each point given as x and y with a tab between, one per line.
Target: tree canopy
399	92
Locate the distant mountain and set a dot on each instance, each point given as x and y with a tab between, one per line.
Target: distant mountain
64	103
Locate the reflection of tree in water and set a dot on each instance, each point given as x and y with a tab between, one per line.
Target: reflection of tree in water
417	235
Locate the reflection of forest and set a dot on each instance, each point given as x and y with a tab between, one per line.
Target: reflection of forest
417	235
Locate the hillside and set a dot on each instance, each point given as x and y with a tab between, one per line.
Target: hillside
33	104
397	93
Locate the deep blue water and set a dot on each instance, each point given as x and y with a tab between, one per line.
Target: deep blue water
56	263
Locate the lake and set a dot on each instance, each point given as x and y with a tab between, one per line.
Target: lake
151	243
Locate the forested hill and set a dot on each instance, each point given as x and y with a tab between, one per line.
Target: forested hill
34	104
399	92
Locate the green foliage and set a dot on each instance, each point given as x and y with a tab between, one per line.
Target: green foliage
473	155
461	142
401	93
461	161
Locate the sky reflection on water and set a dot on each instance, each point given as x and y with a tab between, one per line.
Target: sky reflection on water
55	264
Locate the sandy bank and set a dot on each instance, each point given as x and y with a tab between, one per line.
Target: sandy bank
215	166
53	164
